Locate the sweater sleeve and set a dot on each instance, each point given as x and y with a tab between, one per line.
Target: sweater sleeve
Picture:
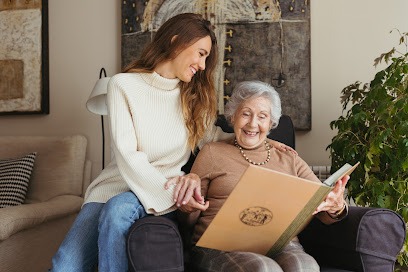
202	167
142	178
304	171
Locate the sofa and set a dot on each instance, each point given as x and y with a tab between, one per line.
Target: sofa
31	232
368	240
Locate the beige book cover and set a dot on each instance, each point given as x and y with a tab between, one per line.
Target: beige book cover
266	210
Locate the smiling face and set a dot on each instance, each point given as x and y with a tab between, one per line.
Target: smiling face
191	60
252	122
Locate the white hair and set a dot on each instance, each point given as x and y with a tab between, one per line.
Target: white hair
247	90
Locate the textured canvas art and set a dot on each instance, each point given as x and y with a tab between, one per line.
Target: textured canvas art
267	40
23	57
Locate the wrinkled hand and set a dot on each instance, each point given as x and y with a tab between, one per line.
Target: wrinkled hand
282	147
186	187
334	201
193	206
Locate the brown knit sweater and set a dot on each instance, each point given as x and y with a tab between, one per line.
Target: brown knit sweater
220	166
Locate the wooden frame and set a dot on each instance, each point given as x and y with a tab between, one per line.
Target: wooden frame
24	84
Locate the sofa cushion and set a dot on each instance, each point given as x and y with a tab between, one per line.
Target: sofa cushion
15	174
368	239
59	165
28	216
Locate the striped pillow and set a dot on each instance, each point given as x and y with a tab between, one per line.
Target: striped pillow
14	177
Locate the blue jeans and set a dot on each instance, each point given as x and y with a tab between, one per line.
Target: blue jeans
98	236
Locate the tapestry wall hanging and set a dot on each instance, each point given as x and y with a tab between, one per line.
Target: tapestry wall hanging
267	40
24	57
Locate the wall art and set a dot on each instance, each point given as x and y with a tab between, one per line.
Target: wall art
24	77
267	40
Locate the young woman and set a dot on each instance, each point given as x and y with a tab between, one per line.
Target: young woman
159	110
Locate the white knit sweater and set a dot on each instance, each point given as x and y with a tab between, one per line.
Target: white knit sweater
148	138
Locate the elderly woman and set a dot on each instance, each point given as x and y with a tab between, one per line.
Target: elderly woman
253	110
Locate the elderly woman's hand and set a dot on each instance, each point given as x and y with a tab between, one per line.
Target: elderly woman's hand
186	187
334	202
193	206
282	147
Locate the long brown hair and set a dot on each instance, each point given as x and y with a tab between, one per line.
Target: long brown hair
198	97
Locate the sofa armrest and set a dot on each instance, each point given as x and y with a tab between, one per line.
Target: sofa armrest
25	216
368	239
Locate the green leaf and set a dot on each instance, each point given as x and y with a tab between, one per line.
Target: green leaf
374	131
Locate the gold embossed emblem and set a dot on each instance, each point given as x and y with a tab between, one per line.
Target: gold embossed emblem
256	216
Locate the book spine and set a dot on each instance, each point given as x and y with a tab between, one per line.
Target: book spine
299	222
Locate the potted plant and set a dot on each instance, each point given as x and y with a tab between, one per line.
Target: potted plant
373	129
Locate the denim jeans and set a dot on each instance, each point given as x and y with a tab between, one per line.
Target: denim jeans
98	236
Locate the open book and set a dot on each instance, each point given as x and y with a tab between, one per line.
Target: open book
266	210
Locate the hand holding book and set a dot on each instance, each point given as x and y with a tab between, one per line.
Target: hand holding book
272	188
334	202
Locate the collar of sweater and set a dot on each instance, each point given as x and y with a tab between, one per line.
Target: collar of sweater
157	81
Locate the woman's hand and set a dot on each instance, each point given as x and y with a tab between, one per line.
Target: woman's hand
186	187
334	201
282	147
193	206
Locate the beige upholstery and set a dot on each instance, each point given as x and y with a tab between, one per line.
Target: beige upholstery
31	233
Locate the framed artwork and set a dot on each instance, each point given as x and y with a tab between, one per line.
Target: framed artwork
24	84
267	40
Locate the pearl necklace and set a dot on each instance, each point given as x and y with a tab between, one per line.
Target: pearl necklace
268	157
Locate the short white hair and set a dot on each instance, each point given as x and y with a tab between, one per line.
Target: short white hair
247	90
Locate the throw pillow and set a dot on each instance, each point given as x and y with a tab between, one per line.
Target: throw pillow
14	177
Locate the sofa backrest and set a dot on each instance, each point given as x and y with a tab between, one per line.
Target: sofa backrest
59	164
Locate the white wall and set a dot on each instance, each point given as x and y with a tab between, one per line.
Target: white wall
85	36
346	37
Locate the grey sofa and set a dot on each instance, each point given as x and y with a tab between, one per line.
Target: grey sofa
369	240
30	233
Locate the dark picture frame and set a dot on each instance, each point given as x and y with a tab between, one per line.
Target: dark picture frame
24	63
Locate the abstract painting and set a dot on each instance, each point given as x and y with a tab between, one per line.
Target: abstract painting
24	57
267	40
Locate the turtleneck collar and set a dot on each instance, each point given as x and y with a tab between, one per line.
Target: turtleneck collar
157	81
